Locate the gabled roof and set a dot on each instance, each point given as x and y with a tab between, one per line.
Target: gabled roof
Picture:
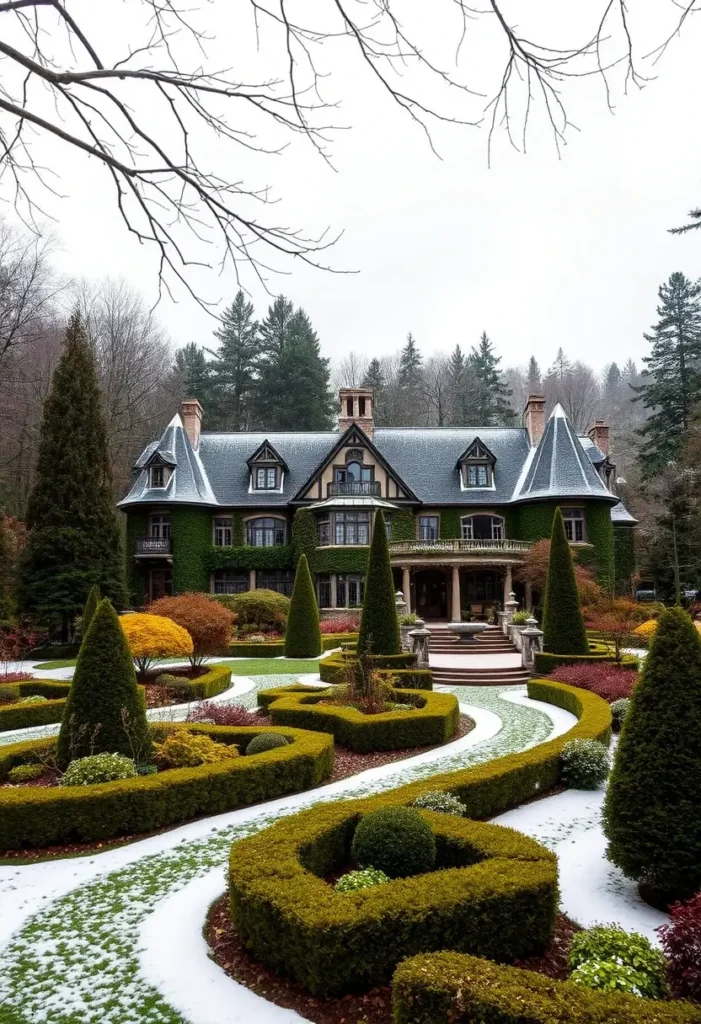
266	452
188	482
477	450
559	467
354	436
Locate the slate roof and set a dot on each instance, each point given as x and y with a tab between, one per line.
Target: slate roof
218	474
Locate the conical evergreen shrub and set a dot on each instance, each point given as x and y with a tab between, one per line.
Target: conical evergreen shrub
652	814
563	625
105	711
74	535
379	625
302	636
90	608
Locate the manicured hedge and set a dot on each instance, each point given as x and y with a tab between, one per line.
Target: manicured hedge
545	662
215	680
38	816
496	897
434	720
333	668
276	648
439	987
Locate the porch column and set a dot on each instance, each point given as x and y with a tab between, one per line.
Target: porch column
334	592
252	579
529	596
406	587
455	595
508	584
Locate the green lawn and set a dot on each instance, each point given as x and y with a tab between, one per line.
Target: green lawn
66	663
249	667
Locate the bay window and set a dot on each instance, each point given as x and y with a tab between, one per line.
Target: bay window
351	528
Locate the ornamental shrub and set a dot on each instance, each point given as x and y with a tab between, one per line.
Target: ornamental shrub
681	942
9	693
652	812
97	768
379	625
585	764
520	618
563	625
396	840
265	741
36	699
207	621
610	943
619	711
90	608
223	714
444	803
606	679
105	711
302	636
184	749
339	624
25	772
261	608
354	880
646	630
610	976
153	636
167	679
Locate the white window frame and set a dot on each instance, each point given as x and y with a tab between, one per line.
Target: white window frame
159	526
437	527
163	470
498	526
219	531
269	477
275	519
572	517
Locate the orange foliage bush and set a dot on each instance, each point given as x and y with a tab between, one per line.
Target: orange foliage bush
153	636
207	621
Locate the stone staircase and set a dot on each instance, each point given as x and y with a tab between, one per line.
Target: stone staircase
491	643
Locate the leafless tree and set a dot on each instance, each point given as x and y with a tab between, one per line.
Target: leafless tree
150	111
437	390
349	371
29	287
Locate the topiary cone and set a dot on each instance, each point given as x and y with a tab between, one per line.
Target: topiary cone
652	813
90	608
303	636
103	696
379	625
563	625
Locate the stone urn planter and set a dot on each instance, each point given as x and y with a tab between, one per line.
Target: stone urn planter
467	631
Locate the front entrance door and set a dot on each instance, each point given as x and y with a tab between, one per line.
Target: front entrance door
431	594
160	584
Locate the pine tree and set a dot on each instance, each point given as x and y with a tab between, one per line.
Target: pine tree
563	625
560	367
534	377
74	535
652	813
491	398
671	385
379	625
303	636
275	330
375	378
105	712
193	371
90	608
293	388
233	369
409	382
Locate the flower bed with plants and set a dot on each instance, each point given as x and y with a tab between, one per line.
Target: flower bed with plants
420	720
49	815
607	680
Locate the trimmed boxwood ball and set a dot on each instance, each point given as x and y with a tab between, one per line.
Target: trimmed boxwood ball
265	741
103	696
585	764
25	772
652	812
302	635
563	625
396	840
379	624
89	771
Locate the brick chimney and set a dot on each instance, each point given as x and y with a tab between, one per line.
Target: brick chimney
191	414
599	434
357	406
534	418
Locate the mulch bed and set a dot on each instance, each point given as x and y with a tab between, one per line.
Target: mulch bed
373	1007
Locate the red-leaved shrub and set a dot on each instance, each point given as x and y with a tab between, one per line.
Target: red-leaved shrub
223	714
340	624
681	942
14	677
605	680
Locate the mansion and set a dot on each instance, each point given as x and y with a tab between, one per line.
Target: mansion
226	513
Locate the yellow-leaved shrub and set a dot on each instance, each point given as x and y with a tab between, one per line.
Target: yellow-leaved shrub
184	749
153	636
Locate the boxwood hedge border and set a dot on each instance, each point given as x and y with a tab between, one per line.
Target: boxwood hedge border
276	648
39	816
400	669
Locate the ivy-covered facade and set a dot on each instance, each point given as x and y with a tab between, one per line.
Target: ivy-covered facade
226	513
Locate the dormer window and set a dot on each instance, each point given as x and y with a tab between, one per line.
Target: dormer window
266	478
476	466
158	476
267	468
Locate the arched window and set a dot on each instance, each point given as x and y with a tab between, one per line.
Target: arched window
265	532
480	527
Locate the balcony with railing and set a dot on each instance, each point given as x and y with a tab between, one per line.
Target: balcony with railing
436	548
150	547
354	488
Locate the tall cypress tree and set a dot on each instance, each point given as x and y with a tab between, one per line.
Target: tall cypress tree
74	536
563	625
293	390
233	369
379	625
302	635
671	385
491	399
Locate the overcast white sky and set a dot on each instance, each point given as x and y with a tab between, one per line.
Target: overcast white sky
539	251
